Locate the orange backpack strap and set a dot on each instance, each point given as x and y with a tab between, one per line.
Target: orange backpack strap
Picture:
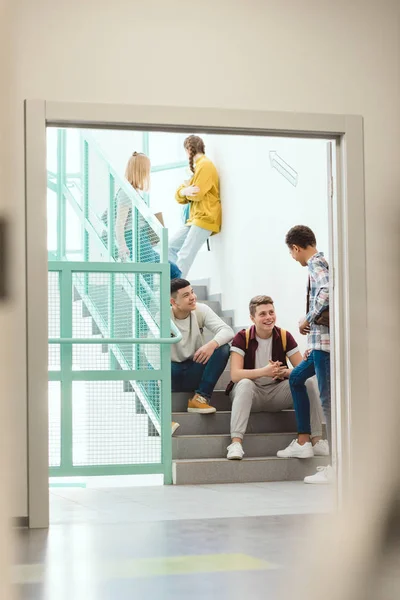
247	338
284	339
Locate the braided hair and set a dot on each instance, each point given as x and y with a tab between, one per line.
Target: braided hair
194	145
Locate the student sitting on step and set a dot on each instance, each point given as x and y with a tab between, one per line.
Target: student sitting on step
196	366
260	376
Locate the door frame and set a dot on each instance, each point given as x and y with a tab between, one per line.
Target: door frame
347	257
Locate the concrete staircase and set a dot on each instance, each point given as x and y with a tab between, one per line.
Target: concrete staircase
199	445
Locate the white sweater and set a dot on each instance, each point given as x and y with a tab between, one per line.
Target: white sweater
191	329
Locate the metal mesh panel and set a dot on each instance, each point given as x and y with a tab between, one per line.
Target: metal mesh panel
88	357
54	424
54	319
147	241
54	357
117	305
109	427
54	304
143	246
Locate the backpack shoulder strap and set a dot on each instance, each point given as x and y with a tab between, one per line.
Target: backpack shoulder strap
247	337
284	339
200	319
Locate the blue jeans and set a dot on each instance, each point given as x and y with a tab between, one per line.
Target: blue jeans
318	363
189	376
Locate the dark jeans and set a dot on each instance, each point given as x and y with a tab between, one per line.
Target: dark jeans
189	376
318	363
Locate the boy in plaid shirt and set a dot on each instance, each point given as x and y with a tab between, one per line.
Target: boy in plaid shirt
303	248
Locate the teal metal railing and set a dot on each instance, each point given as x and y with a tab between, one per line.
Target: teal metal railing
128	307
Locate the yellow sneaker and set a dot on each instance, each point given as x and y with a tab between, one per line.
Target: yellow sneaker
198	404
174	427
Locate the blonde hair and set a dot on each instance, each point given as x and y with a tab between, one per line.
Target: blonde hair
138	171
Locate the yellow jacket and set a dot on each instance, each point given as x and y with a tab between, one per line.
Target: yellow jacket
205	207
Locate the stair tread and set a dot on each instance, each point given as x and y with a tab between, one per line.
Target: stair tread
321	459
228	412
226	435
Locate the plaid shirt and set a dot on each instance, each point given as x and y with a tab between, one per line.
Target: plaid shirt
318	269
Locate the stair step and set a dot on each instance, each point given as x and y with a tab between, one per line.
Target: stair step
180	401
227	319
215	306
201	292
219	422
214	446
220	470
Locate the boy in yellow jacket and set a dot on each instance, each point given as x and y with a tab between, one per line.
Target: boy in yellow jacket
205	206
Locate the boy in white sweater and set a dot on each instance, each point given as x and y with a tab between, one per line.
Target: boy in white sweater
196	366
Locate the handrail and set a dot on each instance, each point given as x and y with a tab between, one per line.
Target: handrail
171	340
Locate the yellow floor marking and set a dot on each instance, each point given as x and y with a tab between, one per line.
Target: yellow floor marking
149	567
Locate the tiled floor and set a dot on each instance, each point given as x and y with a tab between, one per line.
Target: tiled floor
165	503
218	541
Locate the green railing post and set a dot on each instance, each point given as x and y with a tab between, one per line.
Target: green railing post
165	352
111	253
61	202
111	217
66	369
85	179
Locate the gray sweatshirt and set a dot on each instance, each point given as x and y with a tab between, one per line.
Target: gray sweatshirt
191	329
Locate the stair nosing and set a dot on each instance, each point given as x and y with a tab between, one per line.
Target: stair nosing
247	459
228	412
224	435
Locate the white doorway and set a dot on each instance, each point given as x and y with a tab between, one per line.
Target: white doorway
346	239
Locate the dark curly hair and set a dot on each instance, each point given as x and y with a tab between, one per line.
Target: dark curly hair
195	145
301	236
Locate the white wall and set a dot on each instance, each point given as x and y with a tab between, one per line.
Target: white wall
259	205
300	55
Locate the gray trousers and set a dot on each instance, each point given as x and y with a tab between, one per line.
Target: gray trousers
248	396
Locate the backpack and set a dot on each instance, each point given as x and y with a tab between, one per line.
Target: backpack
284	345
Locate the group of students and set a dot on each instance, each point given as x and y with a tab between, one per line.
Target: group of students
202	215
261	379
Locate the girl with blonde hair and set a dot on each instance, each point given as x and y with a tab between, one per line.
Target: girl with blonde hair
138	174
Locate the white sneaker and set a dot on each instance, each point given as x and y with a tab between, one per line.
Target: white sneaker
235	451
324	475
321	448
295	450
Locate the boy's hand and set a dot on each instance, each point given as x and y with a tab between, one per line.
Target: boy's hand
281	373
203	354
304	327
269	370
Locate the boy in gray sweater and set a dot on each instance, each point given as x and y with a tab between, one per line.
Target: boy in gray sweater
196	366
